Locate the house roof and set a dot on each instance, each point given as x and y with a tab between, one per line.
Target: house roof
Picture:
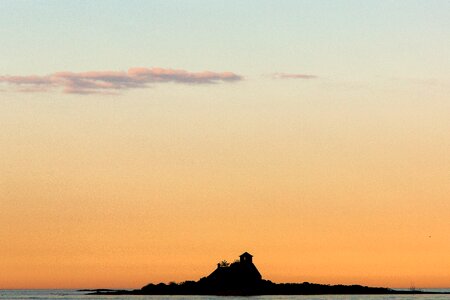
245	254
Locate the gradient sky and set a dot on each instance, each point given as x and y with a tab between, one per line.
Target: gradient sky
144	141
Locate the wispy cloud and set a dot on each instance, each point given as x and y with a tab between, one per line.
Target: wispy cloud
113	81
293	76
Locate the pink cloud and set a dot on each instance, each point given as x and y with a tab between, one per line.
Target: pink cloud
113	81
32	79
293	76
181	76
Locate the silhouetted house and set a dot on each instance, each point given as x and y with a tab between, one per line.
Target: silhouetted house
245	257
239	274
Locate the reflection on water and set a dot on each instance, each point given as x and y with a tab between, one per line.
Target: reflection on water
75	295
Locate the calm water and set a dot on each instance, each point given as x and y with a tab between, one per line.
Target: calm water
75	295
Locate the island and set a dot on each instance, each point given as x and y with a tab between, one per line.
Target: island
242	278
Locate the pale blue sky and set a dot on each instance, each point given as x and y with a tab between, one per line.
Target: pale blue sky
349	39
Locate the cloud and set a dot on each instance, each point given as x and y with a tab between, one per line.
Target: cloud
113	81
293	76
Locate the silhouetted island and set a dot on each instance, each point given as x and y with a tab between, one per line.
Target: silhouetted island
243	278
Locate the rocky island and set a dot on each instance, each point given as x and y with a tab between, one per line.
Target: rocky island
242	278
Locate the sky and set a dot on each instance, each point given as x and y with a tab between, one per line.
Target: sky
144	141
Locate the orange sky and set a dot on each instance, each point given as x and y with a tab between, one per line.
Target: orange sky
116	193
146	141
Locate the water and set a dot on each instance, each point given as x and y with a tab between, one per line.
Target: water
76	295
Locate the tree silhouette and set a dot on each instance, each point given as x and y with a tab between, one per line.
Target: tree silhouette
224	263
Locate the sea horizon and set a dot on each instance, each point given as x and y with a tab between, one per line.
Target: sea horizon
76	294
441	289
